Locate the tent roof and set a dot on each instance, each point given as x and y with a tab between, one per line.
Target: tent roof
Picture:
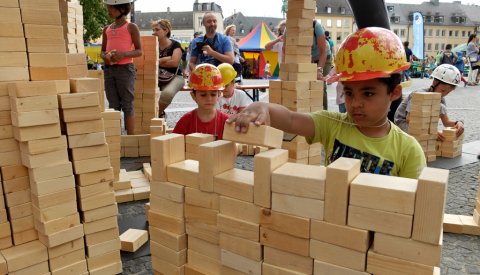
257	38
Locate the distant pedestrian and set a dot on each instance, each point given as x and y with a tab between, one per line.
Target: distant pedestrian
276	45
267	69
448	56
472	56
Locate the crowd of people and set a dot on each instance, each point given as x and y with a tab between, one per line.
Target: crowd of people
368	125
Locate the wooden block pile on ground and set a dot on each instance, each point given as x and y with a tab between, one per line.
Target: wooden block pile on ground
451	147
288	218
133	146
132	186
146	85
423	124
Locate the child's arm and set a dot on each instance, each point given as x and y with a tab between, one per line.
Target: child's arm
450	123
135	33
276	116
103	53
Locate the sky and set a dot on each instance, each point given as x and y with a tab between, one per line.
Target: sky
261	8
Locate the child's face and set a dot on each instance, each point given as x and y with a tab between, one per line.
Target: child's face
206	100
368	101
228	89
112	11
443	88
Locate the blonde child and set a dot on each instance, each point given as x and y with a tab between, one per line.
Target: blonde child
232	101
118	39
206	84
369	64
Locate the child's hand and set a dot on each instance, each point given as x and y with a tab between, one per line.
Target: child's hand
460	128
256	112
440	136
117	56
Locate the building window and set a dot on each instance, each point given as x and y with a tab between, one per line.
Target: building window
395	19
456	33
343	10
346	23
429	46
339	23
395	31
328	9
430	32
443	46
463	33
402	33
450	33
329	23
439	19
390	8
438	32
436	46
444	32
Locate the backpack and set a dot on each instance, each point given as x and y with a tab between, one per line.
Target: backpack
448	58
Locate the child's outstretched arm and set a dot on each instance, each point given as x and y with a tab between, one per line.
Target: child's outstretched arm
276	116
451	123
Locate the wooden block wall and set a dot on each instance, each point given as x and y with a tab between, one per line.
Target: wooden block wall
373	224
113	128
72	22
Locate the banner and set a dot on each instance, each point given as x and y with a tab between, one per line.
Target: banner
418	35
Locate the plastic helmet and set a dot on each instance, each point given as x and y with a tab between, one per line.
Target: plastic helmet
447	73
206	77
117	2
228	73
370	53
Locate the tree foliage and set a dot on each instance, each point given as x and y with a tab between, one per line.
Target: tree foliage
95	17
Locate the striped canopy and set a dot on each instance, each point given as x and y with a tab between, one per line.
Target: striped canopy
257	38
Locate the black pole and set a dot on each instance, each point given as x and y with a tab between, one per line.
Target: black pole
370	13
132	13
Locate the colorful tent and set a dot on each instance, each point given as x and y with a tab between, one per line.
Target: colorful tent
255	41
253	47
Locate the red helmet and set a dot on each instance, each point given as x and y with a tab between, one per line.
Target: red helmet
206	77
370	53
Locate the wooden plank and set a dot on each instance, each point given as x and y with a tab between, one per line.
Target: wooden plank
260	135
133	239
166	150
341	235
287	260
235	183
214	158
243	247
309	180
241	263
298	206
338	255
381	264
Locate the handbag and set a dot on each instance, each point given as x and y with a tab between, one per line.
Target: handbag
164	76
473	59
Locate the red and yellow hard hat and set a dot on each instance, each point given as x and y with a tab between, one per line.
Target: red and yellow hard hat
370	53
206	77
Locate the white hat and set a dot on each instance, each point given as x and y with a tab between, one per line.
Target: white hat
117	2
447	73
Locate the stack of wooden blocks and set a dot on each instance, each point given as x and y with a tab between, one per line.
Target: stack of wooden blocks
5	231
72	21
113	129
133	146
193	142
423	124
158	127
335	220
13	50
146	85
44	151
298	89
451	147
132	186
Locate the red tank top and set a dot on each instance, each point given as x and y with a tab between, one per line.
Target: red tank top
121	40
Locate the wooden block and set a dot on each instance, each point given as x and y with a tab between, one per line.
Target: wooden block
91	165
214	158
167	239
90	152
264	164
163	267
407	249
22	224
184	173
37	132
39	160
10	158
3	265
29	89
94	189
167	223
100	213
11	29
40	268
81	114
166	207
57	225
337	255
275	270
392	194
430	205
13	44
339	175
34	118
43	31
24	236
292	225
113	268
133	239
324	268
40	146
53	199
47	59
79	267
298	206
20	211
309	180
340	235
17	198
177	258
167	190
54	212
257	135
50	172
243	247
284	241
380	221
13	59
61	237
240	210
235	183
166	150
99	261
94	177
85	140
96	201
14	73
48	73
79	100
241	263
202	263
18	184
100	225
469	226
239	228
381	264
198	138
208	249
287	260
22	256
85	85
85	127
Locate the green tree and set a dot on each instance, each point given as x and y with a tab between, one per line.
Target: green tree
95	17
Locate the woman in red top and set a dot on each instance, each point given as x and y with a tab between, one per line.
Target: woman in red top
206	83
118	40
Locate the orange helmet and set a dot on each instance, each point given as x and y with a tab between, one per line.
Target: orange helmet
370	53
206	77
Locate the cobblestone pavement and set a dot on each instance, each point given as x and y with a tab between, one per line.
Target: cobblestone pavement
461	253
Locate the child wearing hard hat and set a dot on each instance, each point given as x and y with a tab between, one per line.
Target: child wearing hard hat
369	64
446	78
118	39
206	84
232	101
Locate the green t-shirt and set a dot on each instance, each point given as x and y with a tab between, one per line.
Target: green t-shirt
396	154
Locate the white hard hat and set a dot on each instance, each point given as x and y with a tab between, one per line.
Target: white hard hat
117	2
447	73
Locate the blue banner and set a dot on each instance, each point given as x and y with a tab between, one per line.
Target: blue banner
418	35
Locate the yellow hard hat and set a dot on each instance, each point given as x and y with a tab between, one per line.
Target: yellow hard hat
228	73
370	53
206	77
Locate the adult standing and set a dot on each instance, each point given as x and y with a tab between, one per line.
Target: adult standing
276	45
409	56
322	56
472	56
120	44
170	56
212	48
230	31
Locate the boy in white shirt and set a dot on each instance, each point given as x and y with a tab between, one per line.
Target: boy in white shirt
232	101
